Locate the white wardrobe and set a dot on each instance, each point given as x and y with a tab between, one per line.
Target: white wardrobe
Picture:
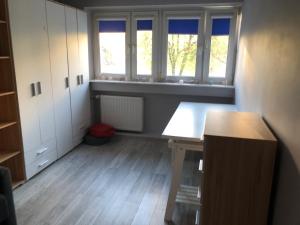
50	47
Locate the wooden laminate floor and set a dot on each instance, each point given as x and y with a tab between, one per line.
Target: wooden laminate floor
125	182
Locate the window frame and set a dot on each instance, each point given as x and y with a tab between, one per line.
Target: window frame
137	15
232	43
113	16
188	14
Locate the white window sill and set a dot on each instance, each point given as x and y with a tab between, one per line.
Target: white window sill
226	91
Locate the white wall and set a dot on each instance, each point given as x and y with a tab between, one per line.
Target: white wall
268	82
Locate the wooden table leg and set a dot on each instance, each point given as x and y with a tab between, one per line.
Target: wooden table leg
178	155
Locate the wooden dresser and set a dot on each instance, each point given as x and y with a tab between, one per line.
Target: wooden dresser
239	155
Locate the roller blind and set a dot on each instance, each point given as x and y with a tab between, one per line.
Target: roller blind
221	26
183	26
112	26
144	25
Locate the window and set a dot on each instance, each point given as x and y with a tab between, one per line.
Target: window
112	45
182	51
219	47
144	47
182	47
219	53
194	46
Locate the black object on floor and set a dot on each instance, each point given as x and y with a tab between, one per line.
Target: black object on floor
7	207
91	140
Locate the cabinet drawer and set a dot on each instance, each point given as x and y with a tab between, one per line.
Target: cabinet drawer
36	154
41	163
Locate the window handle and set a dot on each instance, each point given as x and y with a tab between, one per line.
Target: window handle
129	49
206	44
33	91
39	88
67	82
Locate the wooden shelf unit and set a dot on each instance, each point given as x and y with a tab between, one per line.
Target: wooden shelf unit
6	93
6	125
6	156
7	78
17	174
16	184
4	44
3	11
9	108
11	147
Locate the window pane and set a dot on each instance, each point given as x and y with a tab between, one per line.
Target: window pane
112	42
219	48
144	47
182	47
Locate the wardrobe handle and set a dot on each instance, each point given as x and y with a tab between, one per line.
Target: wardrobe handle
197	220
39	88
67	82
43	163
33	92
200	165
78	80
81	79
42	151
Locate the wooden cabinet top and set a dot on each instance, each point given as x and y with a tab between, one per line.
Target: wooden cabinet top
244	125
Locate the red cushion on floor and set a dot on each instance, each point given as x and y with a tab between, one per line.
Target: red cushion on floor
102	130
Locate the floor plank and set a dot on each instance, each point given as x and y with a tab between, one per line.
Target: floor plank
125	182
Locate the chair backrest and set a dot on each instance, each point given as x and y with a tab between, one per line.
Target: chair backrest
7	194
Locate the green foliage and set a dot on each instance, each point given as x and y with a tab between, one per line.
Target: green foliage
218	54
182	54
144	48
108	60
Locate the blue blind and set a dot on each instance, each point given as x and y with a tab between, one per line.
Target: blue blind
144	25
221	26
183	26
107	26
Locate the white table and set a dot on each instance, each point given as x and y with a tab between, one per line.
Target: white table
185	132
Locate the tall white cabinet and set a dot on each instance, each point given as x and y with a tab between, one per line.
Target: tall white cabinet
60	78
77	47
53	92
32	67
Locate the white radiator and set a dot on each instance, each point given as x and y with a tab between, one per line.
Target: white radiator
123	113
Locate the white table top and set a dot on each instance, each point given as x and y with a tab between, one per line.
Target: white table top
188	121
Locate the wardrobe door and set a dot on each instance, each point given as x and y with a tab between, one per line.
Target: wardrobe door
83	44
84	67
74	74
60	78
73	63
43	85
28	29
72	46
